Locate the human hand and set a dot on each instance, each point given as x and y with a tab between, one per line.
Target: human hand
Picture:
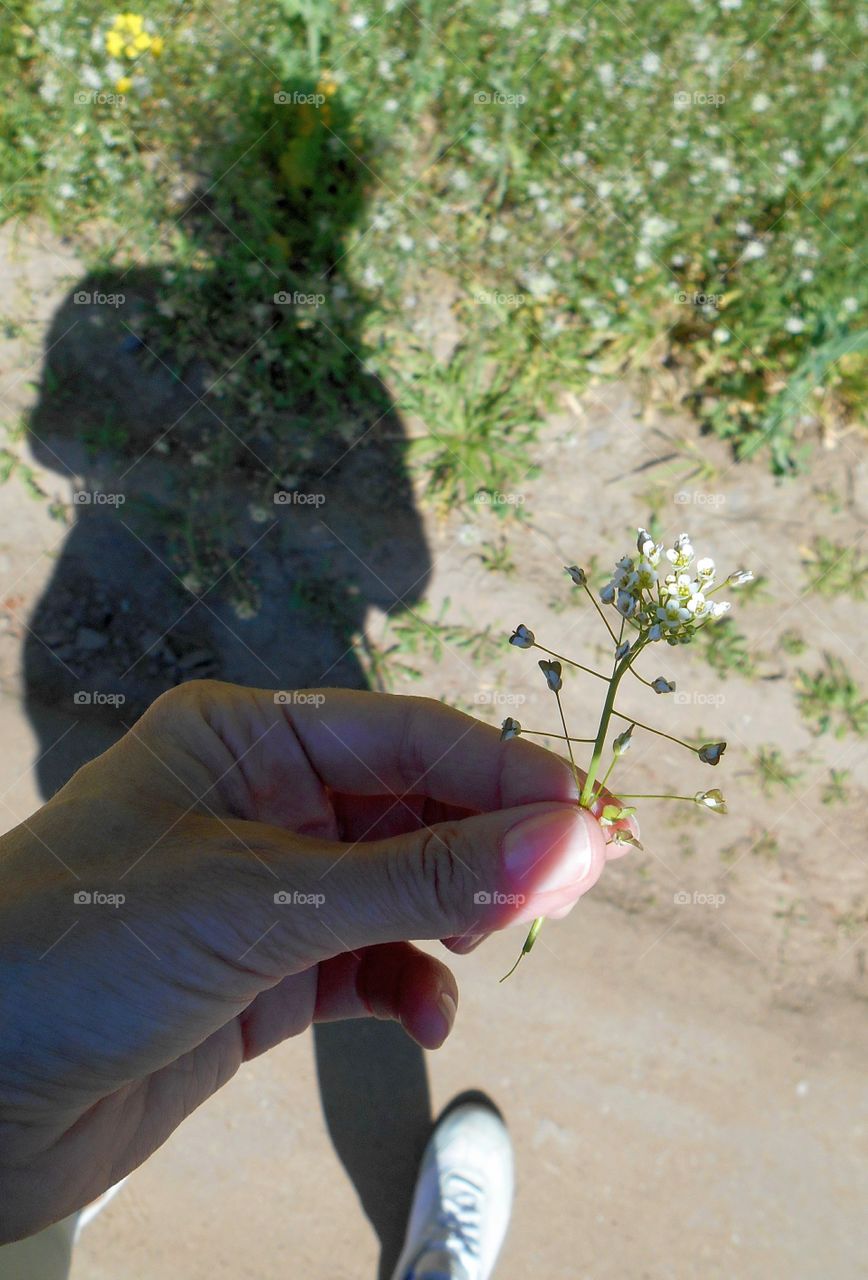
380	818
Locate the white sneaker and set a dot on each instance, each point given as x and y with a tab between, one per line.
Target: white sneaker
462	1201
90	1211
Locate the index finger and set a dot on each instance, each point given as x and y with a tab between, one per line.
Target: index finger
367	743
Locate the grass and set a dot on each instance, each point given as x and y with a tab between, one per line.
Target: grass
696	207
773	772
831	700
834	568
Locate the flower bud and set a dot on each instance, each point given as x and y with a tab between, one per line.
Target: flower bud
509	729
662	685
522	638
711	752
712	800
623	741
552	673
578	575
622	650
740	578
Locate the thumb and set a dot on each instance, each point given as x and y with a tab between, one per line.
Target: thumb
471	875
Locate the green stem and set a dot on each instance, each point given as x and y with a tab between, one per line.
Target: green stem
567	736
599	741
593	600
528	944
560	657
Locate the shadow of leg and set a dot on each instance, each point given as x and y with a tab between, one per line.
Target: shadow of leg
377	1107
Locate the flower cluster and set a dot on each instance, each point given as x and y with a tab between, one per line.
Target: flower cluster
663	594
127	38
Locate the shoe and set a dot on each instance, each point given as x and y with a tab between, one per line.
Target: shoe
461	1206
90	1211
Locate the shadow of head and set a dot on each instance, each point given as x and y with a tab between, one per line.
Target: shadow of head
242	497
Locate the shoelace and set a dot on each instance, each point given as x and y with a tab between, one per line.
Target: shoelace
459	1214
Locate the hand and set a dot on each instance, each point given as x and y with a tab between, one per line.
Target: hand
377	818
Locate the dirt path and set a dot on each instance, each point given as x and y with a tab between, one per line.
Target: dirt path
685	1082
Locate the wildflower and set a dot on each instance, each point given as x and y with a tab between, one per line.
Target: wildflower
711	752
794	324
509	729
622	650
124	84
662	685
552	673
712	800
522	638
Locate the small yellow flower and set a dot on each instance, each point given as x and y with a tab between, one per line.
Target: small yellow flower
114	42
142	41
157	44
124	84
131	51
134	22
327	86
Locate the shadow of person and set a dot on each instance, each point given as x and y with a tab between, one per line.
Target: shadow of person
240	503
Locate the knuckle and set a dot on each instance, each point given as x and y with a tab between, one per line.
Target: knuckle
443	875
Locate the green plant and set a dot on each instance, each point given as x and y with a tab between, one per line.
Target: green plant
791	641
773	771
725	649
835	569
657	595
835	790
831	699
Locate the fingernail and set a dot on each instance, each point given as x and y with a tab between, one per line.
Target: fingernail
448	1008
550	852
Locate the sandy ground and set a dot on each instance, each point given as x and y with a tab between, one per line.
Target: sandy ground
684	1082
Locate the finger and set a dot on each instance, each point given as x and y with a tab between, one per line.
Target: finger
365	743
396	982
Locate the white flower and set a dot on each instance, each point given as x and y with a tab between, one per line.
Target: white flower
791	157
719	608
755	249
358	21
721	335
606	73
817	60
739	577
760	102
850	305
705	568
794	324
682	552
626	604
650	63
